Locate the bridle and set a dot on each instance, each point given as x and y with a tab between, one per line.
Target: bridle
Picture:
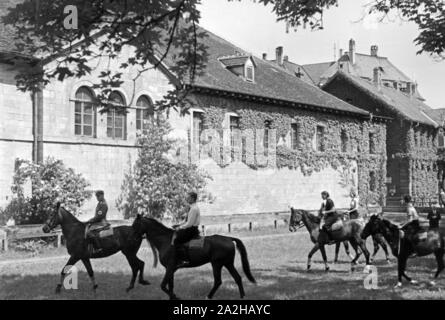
52	222
293	224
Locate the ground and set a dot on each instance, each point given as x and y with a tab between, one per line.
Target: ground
278	262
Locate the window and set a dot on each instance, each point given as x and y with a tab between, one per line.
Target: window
267	126
144	112
372	147
249	73
320	139
116	118
84	113
344	141
441	139
234	130
372	181
197	129
294	136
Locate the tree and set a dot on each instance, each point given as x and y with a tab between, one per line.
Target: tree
165	29
51	182
156	185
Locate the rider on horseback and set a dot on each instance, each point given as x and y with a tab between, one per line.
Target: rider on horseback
99	220
189	229
327	213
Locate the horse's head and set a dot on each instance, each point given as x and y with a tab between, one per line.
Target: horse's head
373	226
296	220
53	220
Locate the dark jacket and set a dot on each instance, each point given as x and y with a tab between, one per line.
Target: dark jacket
101	213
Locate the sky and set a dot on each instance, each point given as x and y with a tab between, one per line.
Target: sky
253	27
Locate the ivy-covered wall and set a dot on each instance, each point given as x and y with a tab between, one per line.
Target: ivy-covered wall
413	164
353	147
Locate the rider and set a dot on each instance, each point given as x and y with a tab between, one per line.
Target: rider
99	220
189	229
353	209
434	217
327	212
413	217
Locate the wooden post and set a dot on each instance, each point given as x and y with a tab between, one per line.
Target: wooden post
229	226
250	226
59	240
203	228
275	224
5	244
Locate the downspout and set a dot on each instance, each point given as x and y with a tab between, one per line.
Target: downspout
37	123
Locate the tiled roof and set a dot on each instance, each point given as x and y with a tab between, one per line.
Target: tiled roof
437	115
364	67
295	69
271	81
407	106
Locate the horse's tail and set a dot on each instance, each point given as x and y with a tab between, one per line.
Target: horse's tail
244	260
155	253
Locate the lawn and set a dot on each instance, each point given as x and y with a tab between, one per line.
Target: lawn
278	263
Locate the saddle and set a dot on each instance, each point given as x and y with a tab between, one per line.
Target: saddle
99	230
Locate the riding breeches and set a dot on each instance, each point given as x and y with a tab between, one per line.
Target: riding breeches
184	235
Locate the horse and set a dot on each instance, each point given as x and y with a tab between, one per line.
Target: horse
73	230
350	231
403	246
216	249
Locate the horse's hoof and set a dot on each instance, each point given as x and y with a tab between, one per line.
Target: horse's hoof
129	289
58	288
432	283
414	282
144	282
326	269
308	267
388	261
174	298
398	285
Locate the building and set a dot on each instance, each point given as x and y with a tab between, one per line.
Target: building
323	143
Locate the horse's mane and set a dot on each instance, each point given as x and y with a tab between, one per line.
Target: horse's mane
158	224
311	216
71	216
391	226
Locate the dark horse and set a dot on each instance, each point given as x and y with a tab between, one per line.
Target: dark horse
216	249
403	246
73	231
350	231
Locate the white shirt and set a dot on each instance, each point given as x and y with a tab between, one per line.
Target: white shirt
193	217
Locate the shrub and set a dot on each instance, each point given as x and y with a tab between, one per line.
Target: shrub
156	185
50	182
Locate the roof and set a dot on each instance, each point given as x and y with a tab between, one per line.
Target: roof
295	69
437	115
363	67
271	81
407	106
234	61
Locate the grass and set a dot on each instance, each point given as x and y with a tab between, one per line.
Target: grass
278	264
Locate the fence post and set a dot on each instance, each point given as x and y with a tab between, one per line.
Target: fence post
250	226
275	224
59	240
5	244
229	227
203	227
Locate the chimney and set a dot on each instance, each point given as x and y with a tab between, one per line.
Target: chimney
352	51
279	55
264	56
377	77
374	50
286	58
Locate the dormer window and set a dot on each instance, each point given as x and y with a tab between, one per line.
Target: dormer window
241	65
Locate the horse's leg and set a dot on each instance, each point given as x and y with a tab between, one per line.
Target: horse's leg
311	253
323	254
362	246
87	264
376	247
141	265
134	269
346	245
235	275
440	266
168	277
357	254
71	262
216	279
337	249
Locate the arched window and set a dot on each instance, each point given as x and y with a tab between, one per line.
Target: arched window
116	118
144	112
84	113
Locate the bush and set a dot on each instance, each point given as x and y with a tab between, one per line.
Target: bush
50	182
156	185
35	247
